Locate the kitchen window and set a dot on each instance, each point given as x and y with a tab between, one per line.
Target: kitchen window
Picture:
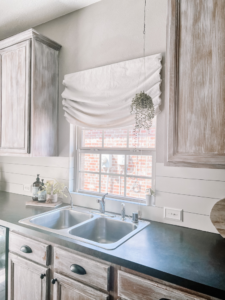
115	161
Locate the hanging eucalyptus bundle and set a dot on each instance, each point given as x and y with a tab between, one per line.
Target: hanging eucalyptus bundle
143	108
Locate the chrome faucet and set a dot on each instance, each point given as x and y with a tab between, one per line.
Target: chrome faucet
71	199
102	203
123	215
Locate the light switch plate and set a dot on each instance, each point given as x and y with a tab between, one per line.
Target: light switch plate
173	213
27	187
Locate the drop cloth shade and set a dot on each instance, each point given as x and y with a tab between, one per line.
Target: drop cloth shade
101	97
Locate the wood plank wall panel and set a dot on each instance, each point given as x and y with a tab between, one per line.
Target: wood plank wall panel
195	200
193	190
195	89
17	171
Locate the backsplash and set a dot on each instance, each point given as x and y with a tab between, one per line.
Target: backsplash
15	172
190	189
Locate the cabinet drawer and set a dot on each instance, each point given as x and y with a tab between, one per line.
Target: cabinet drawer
82	269
132	287
29	248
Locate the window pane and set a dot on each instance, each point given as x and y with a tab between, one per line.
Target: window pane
112	163
140	165
89	162
115	138
113	185
136	187
92	138
145	139
89	182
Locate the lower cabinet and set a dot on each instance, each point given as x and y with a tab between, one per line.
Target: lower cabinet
69	289
131	287
27	280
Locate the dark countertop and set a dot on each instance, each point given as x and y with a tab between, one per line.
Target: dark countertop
186	257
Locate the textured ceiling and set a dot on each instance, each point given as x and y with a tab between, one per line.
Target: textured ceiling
19	15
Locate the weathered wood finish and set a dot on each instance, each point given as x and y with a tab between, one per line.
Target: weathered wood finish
15	98
40	252
44	100
28	95
195	90
67	289
28	34
131	287
24	280
217	217
97	274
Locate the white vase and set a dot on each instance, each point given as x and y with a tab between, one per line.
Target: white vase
52	198
150	200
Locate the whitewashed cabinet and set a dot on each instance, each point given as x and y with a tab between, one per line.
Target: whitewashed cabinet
28	95
68	289
27	280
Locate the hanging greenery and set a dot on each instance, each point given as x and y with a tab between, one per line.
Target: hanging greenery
143	108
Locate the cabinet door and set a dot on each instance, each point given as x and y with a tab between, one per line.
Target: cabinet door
195	90
15	98
26	280
68	289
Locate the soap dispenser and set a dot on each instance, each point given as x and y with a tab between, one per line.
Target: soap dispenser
35	188
42	192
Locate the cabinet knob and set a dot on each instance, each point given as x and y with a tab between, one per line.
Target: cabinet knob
26	249
42	276
164	299
54	280
77	269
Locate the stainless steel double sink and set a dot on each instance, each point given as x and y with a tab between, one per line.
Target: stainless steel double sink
105	231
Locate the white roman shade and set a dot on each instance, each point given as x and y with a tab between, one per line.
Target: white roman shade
101	97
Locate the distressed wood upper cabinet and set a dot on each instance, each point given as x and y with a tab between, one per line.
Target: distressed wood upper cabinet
195	90
28	95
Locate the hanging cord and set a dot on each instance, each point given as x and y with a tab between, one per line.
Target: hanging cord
144	31
136	185
135	131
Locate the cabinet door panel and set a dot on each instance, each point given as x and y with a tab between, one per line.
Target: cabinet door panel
25	280
68	289
15	98
194	83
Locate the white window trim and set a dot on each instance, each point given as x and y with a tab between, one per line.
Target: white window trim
75	149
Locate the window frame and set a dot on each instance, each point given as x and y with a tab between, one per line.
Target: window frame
117	151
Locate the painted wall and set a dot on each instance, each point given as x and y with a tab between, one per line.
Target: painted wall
104	33
107	32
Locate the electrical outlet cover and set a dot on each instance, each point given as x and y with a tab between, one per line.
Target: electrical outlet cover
173	213
27	187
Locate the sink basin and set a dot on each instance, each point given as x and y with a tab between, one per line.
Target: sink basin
61	219
103	230
106	231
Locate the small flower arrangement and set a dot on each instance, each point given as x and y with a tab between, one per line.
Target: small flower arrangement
150	192
150	199
54	189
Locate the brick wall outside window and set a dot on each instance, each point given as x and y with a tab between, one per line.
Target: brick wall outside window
119	174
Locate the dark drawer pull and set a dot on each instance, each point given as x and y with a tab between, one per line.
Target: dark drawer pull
42	276
26	249
164	299
77	269
54	280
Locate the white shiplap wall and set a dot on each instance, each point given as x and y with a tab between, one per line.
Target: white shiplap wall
191	189
17	171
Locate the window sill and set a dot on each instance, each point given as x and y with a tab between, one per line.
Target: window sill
108	198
